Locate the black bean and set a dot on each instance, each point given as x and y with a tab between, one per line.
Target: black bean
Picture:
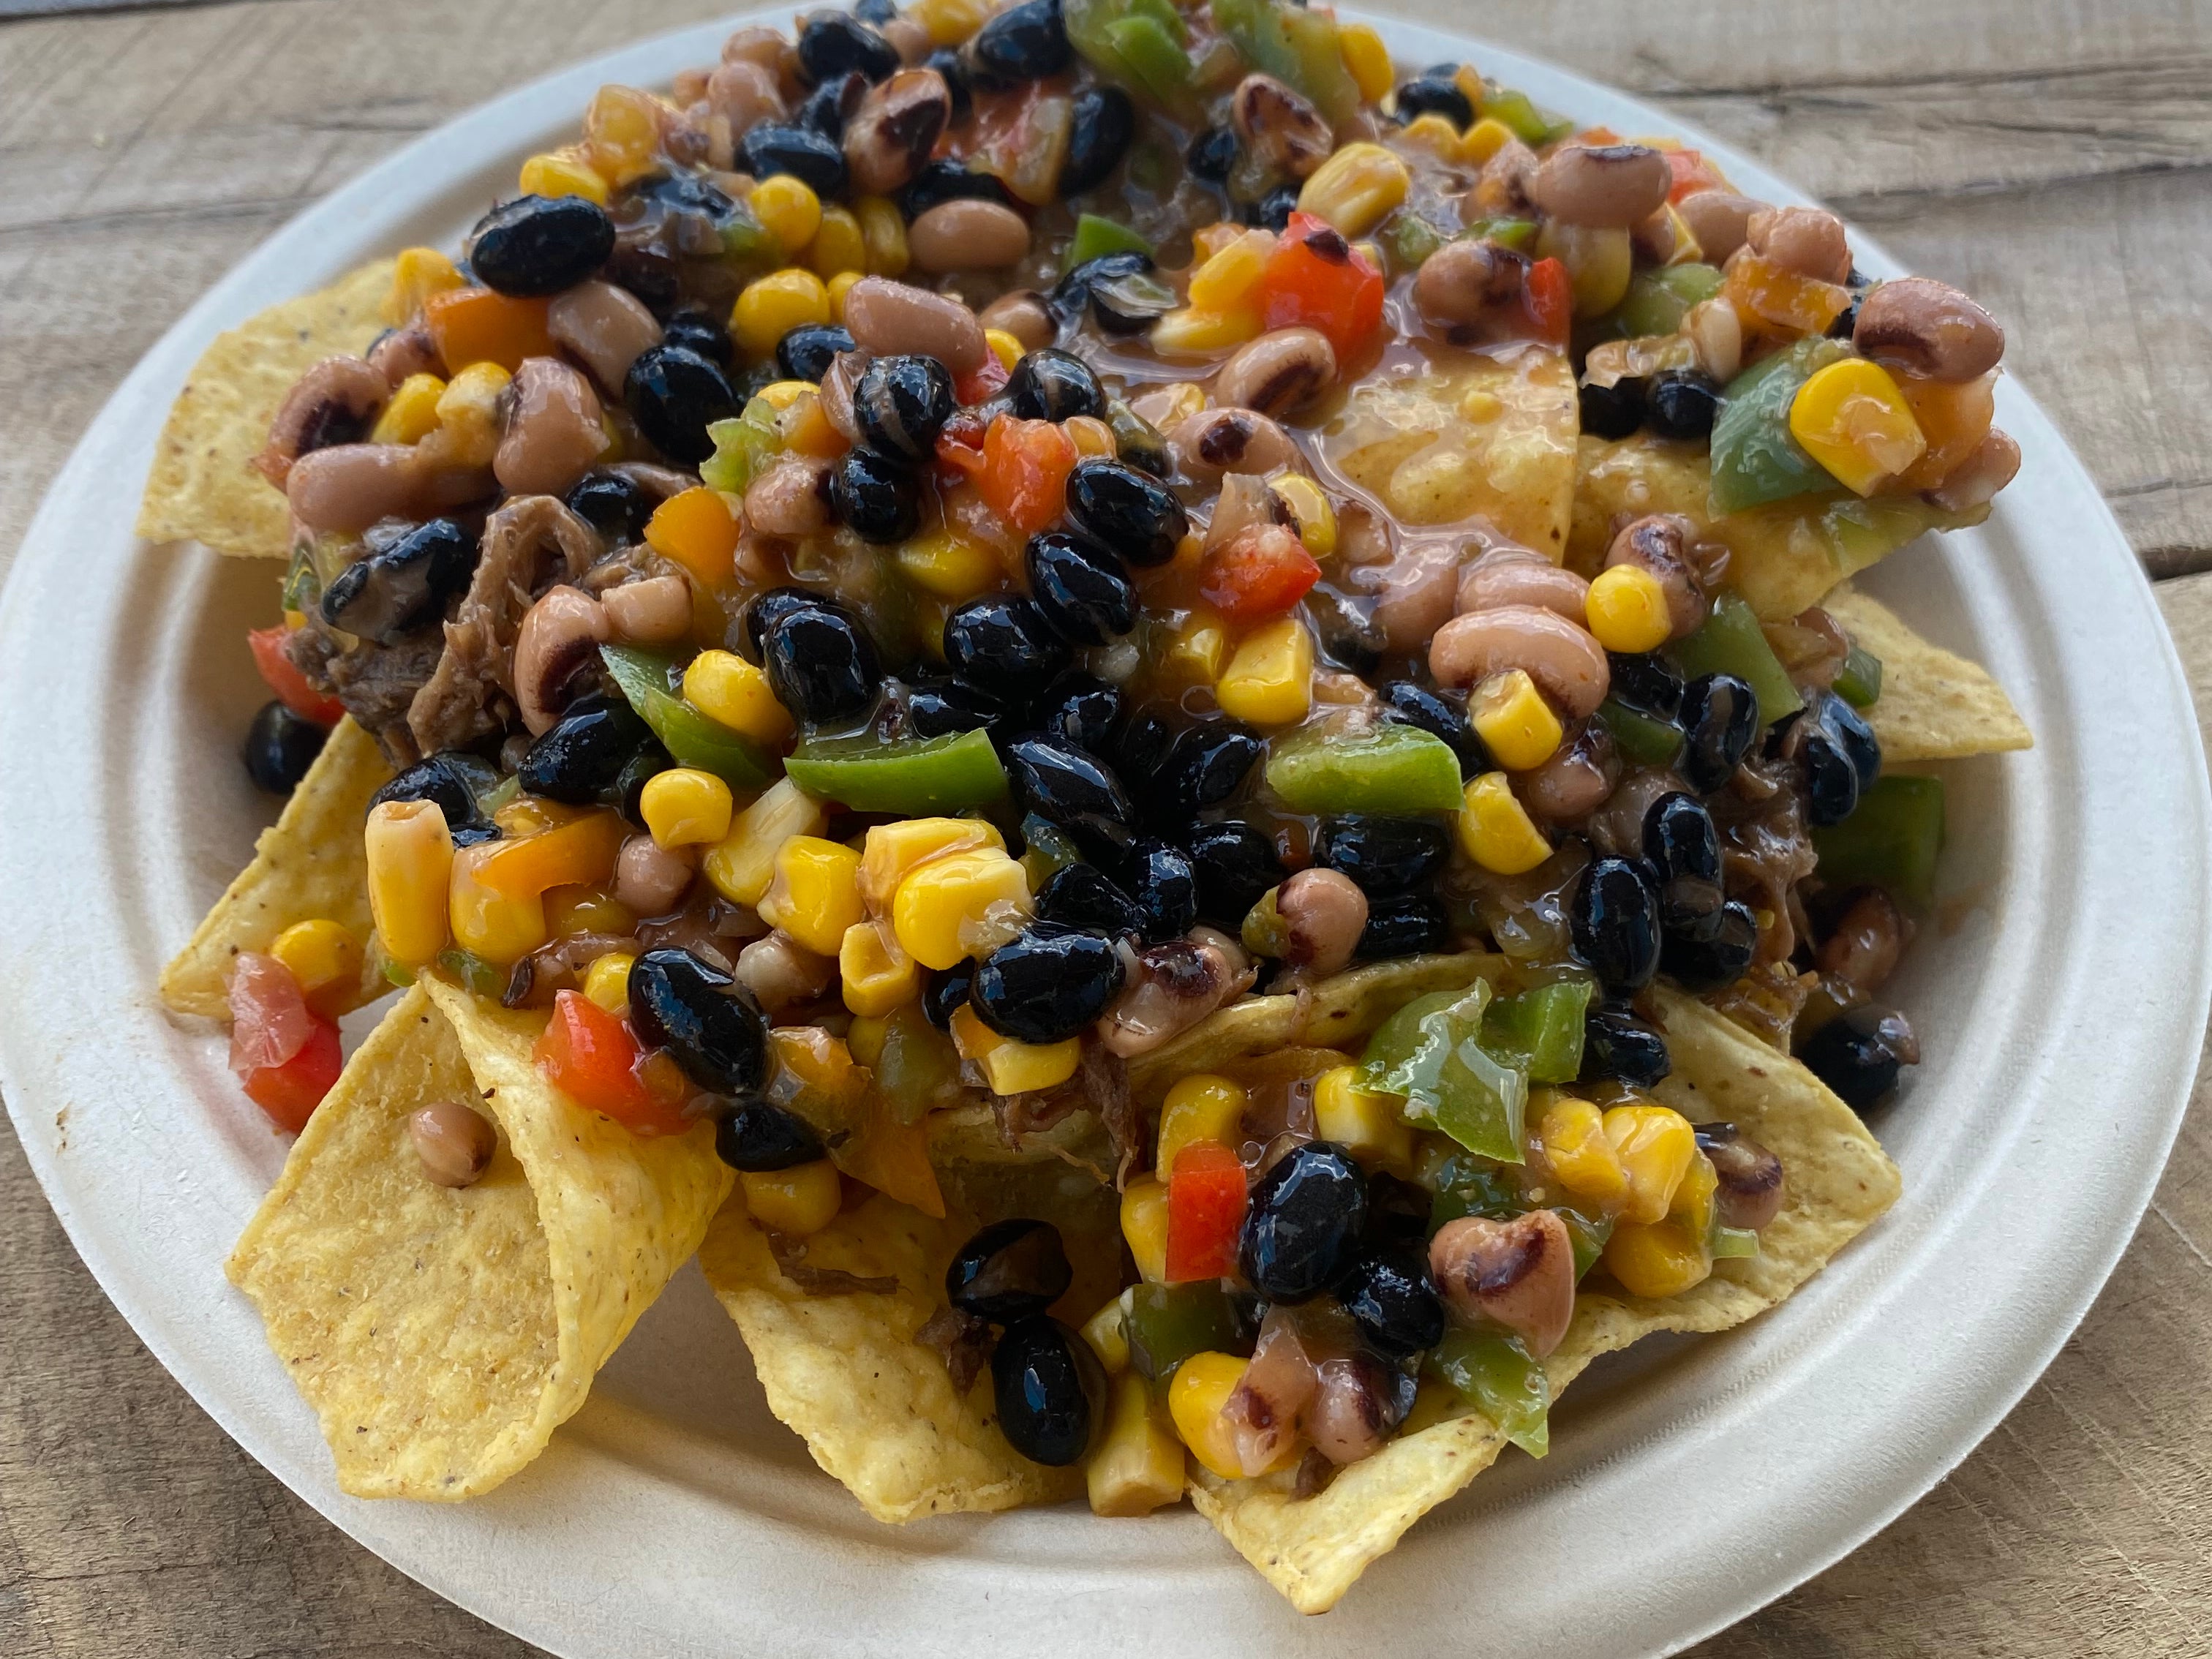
1398	1211
694	330
1120	507
1715	951
1050	385
1272	211
580	762
942	181
758	1138
775	146
1235	866
946	62
1165	886
1084	710
1002	644
763	609
1125	296
1439	715
1383	854
1303	1223
449	779
1614	922
1647	684
1348	636
1012	1270
1617	1044
1211	153
1104	121
875	495
674	395
535	246
832	43
1403	924
627	793
806	352
394	589
878	12
1434	94
1720	720
1391	1298
1851	733
687	194
1047	985
1083	895
1060	783
1081	588
820	666
1684	850
830	105
1831	782
901	403
702	1017
946	992
1860	1053
615	506
1049	1391
1681	403
1025	42
1611	411
280	746
1207	765
1143	746
935	706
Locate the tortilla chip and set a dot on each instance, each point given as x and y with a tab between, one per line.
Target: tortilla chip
1782	557
877	1408
1488	438
309	863
1838	1181
201	489
1935	705
443	1334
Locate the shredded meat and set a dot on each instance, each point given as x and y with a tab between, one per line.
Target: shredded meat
1026	1113
962	1341
790	1256
376	683
1765	1002
1103	1076
1766	850
528	544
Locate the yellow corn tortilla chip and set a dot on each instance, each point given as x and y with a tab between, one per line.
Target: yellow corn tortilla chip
443	1334
1935	705
1838	1181
1782	557
200	489
309	863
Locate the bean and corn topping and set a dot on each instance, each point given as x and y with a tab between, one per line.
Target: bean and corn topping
915	567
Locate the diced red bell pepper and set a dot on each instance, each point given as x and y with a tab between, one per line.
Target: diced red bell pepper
283	676
590	1055
1548	295
290	1092
980	384
1259	574
1692	174
1315	279
1025	468
1205	1212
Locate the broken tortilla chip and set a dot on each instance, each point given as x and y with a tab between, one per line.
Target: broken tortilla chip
1837	1180
1935	704
308	864
201	488
442	1333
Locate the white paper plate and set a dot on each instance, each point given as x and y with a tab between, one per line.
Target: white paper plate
1689	1482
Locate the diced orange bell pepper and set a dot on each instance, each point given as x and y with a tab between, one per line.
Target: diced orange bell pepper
591	1056
1315	279
1024	474
696	528
1954	418
581	853
1548	294
1260	573
1205	1212
1766	294
477	326
283	676
1692	174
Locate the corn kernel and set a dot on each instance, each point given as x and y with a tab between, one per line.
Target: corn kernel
743	863
1656	1259
696	528
1514	721
1470	87
1355	187
417	274
891	850
878	974
816	893
960	905
580	908
1209	240
1144	1226
1484	140
1479	407
1367	59
783	396
410	855
1692	1208
606	982
883	236
1107	1331
772	306
489	919
1269	682
1627	608
1201	1389
1852	418
1171	405
950	21
1191	332
684	806
838	246
732	692
1004	346
1203	1106
806	430
411	413
1311	511
622	133
1232	278
1368	1123
321	953
789	209
1495	829
940	562
468	413
1011	1067
1655	1145
557	174
840	286
1581	1154
1434	133
1139	1465
1198	647
801	1199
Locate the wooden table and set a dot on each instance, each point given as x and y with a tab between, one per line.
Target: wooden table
2052	159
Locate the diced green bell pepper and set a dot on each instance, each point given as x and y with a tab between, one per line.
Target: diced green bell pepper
1731	642
914	777
1644	738
1168	1324
918	1070
1755	458
1138	43
1518	234
1891	841
1391	769
646	679
1860	683
1407	239
1528	122
1497	1377
1046	850
476	976
1588	1233
742	449
1294	46
1540	1029
1657	301
1466	1184
1431	1053
1095	238
748	243
1733	1242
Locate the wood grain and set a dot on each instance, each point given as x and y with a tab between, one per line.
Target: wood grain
2052	156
